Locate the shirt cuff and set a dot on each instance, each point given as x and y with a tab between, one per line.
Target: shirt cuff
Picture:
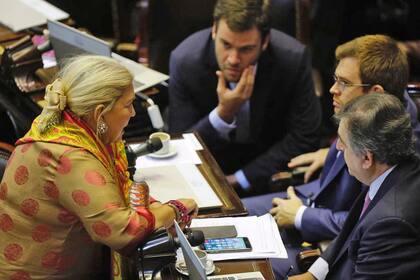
298	217
242	180
319	269
220	125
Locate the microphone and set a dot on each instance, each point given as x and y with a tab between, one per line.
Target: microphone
152	145
161	243
194	237
160	249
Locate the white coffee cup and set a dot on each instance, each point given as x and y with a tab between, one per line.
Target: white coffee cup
165	138
202	256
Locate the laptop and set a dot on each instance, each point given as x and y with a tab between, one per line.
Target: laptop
68	42
196	270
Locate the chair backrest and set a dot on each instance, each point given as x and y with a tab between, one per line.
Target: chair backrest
413	90
5	152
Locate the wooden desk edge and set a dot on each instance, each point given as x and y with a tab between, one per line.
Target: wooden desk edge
232	204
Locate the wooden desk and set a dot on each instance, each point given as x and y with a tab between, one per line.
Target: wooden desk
232	205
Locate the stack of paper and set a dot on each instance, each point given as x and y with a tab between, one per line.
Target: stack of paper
262	233
178	181
177	176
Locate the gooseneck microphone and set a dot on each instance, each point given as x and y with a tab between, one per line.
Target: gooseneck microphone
161	243
150	146
194	237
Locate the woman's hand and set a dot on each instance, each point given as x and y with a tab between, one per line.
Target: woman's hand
191	205
192	210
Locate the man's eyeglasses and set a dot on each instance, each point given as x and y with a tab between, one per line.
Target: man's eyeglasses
342	85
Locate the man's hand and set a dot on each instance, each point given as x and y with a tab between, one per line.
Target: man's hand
284	210
230	101
316	160
232	181
304	276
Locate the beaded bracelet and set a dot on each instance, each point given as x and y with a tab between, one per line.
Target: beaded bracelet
177	214
183	212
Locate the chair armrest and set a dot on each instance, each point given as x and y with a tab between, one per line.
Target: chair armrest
306	258
6	147
281	180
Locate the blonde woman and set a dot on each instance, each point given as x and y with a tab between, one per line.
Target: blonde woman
65	190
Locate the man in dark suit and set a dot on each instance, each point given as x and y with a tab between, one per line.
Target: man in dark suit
247	90
318	209
371	63
381	236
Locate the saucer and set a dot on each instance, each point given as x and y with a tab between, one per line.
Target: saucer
181	267
171	153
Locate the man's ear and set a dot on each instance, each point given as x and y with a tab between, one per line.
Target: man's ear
368	160
377	89
265	42
214	30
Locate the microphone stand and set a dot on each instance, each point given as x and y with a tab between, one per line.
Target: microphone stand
159	250
156	252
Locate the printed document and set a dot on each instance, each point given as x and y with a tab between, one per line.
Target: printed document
262	233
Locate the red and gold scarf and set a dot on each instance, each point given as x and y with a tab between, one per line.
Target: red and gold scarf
73	131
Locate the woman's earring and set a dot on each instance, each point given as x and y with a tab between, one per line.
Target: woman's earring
102	127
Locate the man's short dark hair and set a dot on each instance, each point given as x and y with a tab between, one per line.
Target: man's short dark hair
242	15
378	123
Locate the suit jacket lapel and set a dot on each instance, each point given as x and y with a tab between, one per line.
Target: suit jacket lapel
337	166
354	215
348	228
329	161
391	180
260	93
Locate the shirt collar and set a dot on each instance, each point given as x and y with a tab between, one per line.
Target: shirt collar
376	184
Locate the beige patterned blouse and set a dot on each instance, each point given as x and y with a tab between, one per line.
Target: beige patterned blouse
58	205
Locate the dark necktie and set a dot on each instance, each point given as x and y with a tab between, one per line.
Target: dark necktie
242	122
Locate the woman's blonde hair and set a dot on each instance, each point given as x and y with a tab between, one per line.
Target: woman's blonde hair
85	82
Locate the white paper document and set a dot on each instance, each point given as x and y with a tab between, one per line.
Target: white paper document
45	8
22	14
195	144
184	154
178	181
262	233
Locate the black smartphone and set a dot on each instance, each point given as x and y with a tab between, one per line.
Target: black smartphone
226	245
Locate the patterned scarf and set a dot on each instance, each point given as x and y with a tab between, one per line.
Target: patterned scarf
73	131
